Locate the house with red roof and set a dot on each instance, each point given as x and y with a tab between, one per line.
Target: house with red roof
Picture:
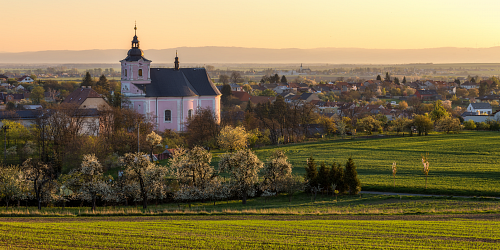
25	79
86	98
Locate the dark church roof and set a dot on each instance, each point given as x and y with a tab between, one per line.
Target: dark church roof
180	83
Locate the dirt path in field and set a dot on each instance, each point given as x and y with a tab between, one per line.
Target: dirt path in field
422	195
422	217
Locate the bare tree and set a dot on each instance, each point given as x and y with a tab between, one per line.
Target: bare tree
41	177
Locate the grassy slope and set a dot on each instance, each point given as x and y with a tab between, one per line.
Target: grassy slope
301	204
460	164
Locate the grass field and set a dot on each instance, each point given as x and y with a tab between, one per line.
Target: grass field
460	164
251	232
301	204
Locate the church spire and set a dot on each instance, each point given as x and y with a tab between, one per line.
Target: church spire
176	61
135	41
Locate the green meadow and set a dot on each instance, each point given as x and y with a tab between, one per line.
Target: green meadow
249	232
460	164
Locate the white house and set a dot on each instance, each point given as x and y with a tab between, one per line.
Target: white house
469	85
481	108
25	79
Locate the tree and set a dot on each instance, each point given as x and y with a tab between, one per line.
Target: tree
311	175
369	124
87	80
399	124
439	112
448	124
387	77
473	93
88	182
236	77
153	140
232	139
423	123
328	124
226	95
402	105
140	171
243	167
470	125
37	94
102	86
404	80
11	183
396	81
462	92
276	172
274	79
351	177
10	106
268	92
341	128
247	88
379	78
41	177
323	174
192	168
483	89
425	170
202	128
293	184
283	79
337	178
224	79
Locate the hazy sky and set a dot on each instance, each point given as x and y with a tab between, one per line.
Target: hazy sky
34	25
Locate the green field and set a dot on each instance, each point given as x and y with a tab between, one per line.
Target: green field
460	164
251	232
301	204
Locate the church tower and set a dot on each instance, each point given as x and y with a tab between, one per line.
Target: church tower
135	70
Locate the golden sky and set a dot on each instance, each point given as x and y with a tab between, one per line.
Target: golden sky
36	25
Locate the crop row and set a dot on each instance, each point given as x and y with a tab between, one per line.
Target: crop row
231	234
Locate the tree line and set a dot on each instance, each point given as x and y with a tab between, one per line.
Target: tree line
189	176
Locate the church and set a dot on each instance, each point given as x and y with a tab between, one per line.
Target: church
169	96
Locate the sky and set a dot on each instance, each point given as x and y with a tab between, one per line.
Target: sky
39	25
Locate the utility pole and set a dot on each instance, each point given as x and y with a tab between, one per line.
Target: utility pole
5	128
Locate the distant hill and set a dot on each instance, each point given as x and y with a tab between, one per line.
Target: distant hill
206	55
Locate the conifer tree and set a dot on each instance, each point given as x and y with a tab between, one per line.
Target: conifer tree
379	78
311	172
387	77
404	80
323	174
283	79
87	80
226	95
396	81
103	83
336	177
351	177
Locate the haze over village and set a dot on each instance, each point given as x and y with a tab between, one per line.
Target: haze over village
250	124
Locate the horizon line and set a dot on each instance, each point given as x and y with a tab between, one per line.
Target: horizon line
33	51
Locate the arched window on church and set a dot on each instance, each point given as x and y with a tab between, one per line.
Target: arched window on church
190	114
168	115
125	72
140	72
